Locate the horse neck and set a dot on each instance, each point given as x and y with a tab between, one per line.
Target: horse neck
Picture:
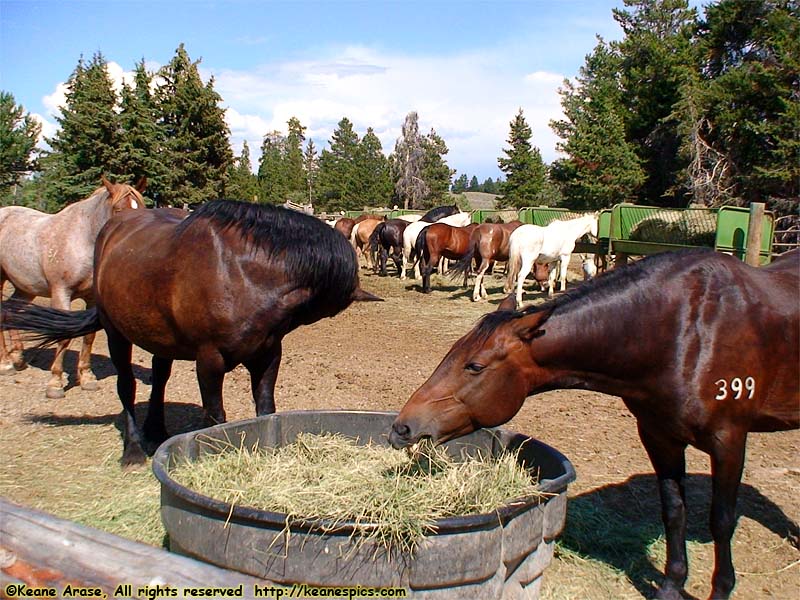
94	211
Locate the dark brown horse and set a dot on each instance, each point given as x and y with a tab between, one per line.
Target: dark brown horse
388	236
701	347
345	226
488	244
439	241
221	287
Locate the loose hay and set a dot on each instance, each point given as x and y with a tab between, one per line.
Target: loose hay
392	498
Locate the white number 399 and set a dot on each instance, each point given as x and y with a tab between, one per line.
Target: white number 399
737	388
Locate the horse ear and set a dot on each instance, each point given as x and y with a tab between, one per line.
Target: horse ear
529	326
508	303
141	185
360	295
107	184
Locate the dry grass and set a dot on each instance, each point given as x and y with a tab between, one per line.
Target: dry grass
392	498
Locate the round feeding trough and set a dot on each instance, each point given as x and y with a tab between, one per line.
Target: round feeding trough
501	554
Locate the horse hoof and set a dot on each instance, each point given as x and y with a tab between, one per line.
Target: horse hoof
90	386
132	457
7	369
54	393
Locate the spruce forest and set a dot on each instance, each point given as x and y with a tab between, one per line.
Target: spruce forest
688	107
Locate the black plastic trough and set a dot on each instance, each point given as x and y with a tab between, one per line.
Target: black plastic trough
497	555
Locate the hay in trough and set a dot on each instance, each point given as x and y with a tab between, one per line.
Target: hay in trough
683	228
391	497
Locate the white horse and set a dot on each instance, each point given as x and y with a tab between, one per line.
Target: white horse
412	218
460	219
531	244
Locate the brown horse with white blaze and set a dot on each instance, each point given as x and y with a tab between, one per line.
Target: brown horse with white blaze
701	348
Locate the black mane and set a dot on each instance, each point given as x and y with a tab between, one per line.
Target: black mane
608	283
313	253
440	212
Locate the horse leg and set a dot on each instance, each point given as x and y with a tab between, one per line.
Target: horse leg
397	257
154	428
55	386
562	275
12	359
120	351
263	375
210	376
479	291
727	462
525	268
86	378
669	462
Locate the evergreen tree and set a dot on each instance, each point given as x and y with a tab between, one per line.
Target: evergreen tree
489	186
272	169
19	132
525	171
473	184
242	183
460	184
435	172
601	167
142	140
311	168
88	143
373	171
295	173
407	163
656	59
197	147
337	183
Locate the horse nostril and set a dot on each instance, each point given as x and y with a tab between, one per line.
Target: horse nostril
401	429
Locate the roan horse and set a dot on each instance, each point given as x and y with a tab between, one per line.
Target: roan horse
554	243
439	241
51	256
221	287
701	347
489	243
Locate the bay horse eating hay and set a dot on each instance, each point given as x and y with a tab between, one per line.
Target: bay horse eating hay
701	347
51	256
221	287
439	241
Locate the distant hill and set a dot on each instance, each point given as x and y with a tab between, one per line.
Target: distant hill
480	200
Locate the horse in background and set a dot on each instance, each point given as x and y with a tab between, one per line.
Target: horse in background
240	277
456	219
345	226
701	347
388	235
439	241
359	239
489	243
554	243
51	256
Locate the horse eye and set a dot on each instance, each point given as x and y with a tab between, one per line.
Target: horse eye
475	367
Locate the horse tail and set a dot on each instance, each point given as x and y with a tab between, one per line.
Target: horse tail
420	246
375	236
463	266
46	325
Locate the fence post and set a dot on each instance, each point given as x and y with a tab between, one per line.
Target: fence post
754	227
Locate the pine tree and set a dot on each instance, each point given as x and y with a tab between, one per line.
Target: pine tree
337	182
143	141
601	167
525	171
460	184
272	169
311	168
407	162
197	148
242	183
373	171
435	172
295	174
88	143
19	132
473	184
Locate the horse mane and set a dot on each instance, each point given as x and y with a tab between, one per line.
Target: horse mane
609	283
439	212
316	255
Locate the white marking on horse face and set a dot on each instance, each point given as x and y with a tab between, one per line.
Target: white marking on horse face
134	204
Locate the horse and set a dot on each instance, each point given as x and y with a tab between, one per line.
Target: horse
550	244
457	219
489	243
701	347
410	218
221	287
51	256
388	235
345	226
440	212
439	241
359	238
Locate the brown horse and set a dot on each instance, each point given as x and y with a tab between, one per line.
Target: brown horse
51	256
359	238
221	287
388	235
439	241
488	244
701	347
345	226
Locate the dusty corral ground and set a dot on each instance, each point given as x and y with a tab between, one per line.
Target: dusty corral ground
61	456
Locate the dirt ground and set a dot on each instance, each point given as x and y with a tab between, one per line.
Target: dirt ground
373	356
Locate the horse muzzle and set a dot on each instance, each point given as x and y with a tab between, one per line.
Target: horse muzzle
400	435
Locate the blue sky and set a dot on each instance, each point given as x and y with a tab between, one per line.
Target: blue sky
465	67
